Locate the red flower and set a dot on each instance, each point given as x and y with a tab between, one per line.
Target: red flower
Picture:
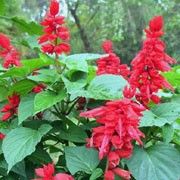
109	175
8	52
107	46
54	8
11	108
2	136
38	88
56	36
119	127
156	23
4	41
47	173
111	63
148	64
62	176
122	173
63	47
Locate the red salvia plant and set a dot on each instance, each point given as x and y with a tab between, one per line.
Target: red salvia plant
149	63
114	129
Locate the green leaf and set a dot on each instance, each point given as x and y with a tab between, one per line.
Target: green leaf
160	115
40	156
26	108
3	93
21	142
47	99
173	76
159	162
28	66
31	42
83	56
81	159
2	7
74	64
96	174
45	75
31	28
168	132
22	87
105	87
74	87
73	133
19	168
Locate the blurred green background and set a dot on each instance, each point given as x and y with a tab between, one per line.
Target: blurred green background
91	22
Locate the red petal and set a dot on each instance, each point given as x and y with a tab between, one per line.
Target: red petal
63	176
4	41
6	116
107	46
54	7
122	173
93	113
2	136
156	23
109	175
6	108
39	172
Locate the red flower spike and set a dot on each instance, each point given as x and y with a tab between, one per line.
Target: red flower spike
56	36
8	52
119	121
149	63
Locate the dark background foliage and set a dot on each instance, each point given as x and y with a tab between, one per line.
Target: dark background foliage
92	21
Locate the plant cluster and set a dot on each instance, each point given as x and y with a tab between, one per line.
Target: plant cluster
66	117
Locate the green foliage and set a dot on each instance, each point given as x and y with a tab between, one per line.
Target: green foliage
31	28
22	87
47	99
173	76
2	7
73	133
159	162
160	115
26	108
28	66
20	143
81	159
96	174
106	87
46	126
